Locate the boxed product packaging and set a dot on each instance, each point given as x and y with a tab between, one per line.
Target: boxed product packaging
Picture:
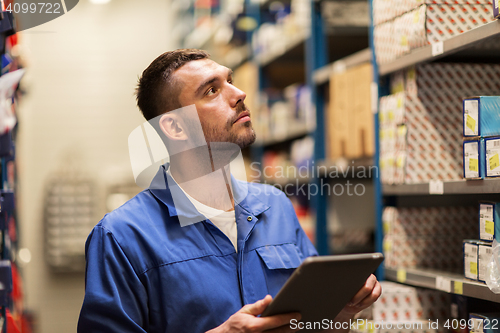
484	257
482	116
350	118
404	303
431	108
492	161
496	11
489	215
484	322
470	259
477	255
427	237
429	23
474	159
386	10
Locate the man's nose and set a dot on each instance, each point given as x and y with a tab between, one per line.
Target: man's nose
237	96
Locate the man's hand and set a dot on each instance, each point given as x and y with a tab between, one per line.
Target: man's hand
365	297
246	320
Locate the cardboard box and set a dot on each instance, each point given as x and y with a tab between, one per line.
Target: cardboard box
484	257
481	116
489	215
484	322
474	159
432	110
427	237
429	23
385	10
470	248
404	303
492	156
350	118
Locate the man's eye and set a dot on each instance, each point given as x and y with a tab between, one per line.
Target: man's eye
211	91
230	81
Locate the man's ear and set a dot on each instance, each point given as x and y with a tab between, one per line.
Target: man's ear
172	126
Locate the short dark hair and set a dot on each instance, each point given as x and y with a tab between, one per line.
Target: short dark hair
157	91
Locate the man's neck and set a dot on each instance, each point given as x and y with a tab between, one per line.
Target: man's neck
213	189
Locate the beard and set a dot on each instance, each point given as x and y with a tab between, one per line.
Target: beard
227	133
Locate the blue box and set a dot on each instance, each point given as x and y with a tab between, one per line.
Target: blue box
492	156
485	322
5	282
481	116
474	158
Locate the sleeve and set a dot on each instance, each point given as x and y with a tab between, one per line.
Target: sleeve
115	299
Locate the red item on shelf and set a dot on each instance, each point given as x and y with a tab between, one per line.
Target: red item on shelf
12	326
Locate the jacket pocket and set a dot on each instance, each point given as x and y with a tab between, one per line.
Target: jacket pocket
279	262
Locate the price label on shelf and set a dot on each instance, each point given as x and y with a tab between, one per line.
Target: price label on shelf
458	288
436	187
401	275
339	67
443	284
437	48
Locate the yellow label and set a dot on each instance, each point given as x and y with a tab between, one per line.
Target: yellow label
473	268
494	162
404	40
401	275
411	73
387	227
387	246
416	17
489	227
390	115
458	288
471	123
400	102
473	164
400	162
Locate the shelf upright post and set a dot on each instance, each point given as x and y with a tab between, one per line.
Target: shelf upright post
379	233
316	57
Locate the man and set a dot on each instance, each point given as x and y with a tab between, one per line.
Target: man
159	263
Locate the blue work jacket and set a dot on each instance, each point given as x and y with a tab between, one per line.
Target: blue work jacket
147	273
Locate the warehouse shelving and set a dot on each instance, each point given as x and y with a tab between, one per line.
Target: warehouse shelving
439	50
322	75
452	187
427	193
447	282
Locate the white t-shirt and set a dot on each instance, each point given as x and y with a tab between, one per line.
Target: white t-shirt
224	220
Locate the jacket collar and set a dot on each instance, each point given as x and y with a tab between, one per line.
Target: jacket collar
164	188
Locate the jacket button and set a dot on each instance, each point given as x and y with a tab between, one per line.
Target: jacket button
249	219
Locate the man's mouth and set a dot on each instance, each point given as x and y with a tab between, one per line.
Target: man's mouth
243	117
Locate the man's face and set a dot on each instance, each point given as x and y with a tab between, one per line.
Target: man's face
220	105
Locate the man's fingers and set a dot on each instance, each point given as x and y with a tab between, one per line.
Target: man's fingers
278	323
370	299
365	291
258	307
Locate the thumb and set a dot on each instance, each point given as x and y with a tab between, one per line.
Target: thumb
258	307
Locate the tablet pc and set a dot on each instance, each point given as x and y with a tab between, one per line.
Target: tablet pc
321	286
